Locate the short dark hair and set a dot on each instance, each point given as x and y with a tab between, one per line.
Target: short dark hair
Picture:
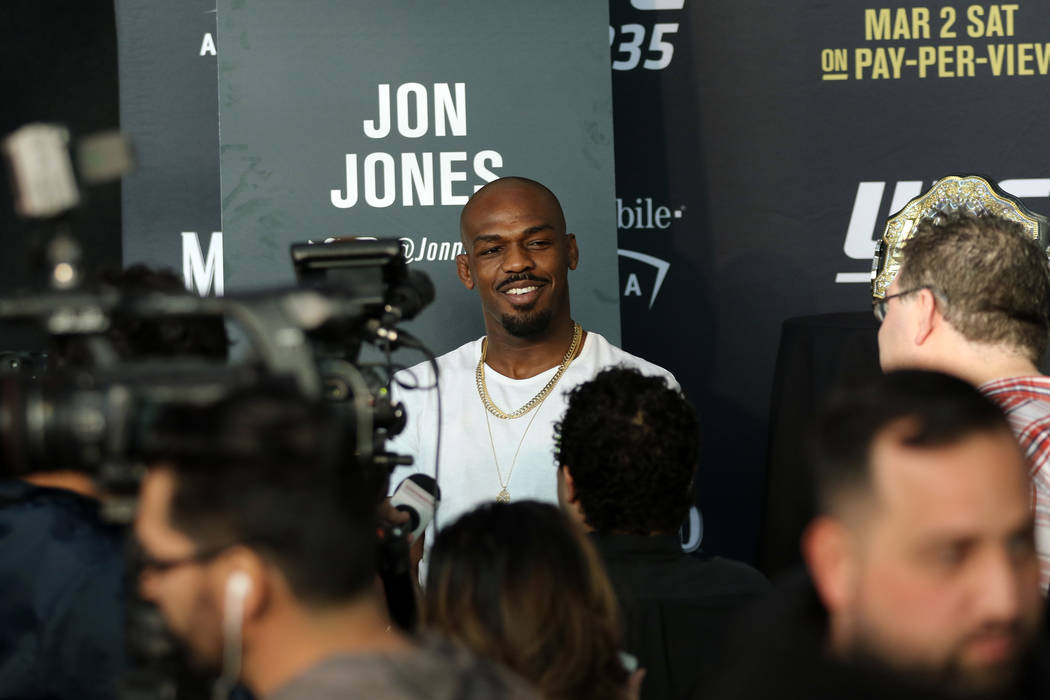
276	472
995	280
930	409
631	443
521	584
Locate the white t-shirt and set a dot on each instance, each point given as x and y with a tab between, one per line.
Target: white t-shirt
467	471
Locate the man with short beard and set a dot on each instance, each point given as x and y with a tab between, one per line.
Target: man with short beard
501	394
923	576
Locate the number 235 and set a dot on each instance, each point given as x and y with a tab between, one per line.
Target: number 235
631	38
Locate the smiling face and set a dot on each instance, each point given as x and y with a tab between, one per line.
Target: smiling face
517	256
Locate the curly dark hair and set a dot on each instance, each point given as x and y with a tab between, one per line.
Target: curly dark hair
631	443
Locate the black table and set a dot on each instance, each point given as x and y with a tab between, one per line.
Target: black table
817	355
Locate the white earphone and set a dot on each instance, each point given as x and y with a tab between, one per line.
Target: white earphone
238	586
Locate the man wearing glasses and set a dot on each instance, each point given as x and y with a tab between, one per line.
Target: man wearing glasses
257	542
972	299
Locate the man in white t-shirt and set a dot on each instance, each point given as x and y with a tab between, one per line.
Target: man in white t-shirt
501	395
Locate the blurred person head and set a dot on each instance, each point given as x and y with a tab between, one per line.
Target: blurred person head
627	449
258	531
973	294
520	584
923	553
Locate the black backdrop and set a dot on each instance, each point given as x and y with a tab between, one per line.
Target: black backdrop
58	63
765	159
759	174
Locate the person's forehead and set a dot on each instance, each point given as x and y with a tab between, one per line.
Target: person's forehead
509	208
977	484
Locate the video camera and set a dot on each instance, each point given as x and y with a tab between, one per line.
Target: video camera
96	417
99	414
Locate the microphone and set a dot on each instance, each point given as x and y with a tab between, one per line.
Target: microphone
418	495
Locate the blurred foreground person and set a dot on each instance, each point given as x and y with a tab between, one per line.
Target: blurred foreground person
258	545
61	564
627	449
520	584
922	559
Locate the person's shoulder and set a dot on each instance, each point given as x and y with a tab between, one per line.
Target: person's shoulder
61	571
434	668
478	677
787	617
59	517
605	354
1032	388
736	575
717	580
422	373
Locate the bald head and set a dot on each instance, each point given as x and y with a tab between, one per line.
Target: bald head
499	193
517	254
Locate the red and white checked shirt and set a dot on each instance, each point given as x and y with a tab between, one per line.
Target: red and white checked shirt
1026	403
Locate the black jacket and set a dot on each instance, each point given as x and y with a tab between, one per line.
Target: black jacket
677	608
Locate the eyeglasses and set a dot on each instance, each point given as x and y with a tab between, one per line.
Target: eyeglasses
144	562
879	307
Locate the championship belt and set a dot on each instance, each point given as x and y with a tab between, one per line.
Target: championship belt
980	196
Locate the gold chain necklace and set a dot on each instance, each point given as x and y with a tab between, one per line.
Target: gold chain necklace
483	392
504	496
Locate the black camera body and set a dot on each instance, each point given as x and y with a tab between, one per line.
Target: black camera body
97	417
102	413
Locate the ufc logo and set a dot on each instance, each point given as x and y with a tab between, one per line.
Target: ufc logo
868	211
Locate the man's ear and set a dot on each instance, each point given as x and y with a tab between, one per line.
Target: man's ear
929	315
572	250
568	485
567	498
827	550
463	270
250	572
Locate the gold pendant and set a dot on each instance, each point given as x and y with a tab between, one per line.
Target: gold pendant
503	497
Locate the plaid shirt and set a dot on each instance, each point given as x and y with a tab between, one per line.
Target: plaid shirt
1026	402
